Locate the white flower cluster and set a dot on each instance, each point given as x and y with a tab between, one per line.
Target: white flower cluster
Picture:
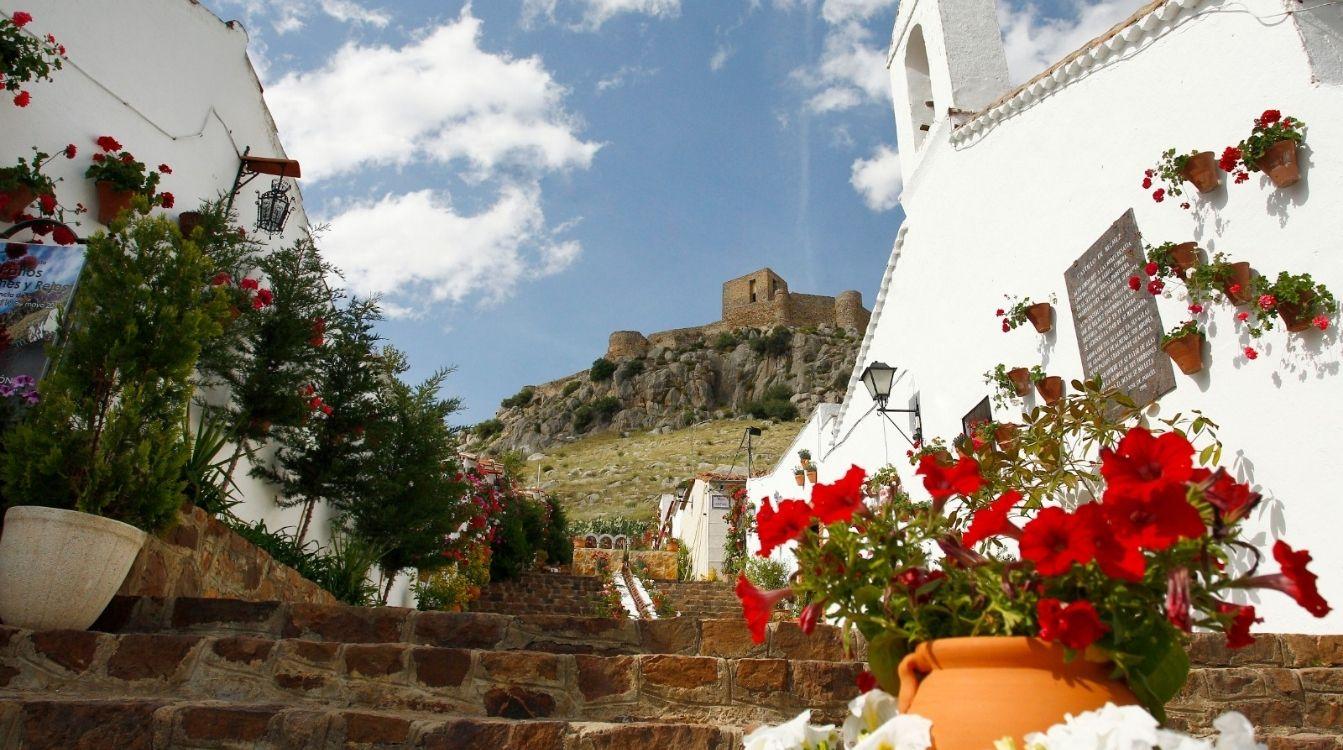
874	723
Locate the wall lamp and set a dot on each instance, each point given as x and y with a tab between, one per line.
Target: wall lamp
879	377
273	206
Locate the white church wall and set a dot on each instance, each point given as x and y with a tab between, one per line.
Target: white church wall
1008	209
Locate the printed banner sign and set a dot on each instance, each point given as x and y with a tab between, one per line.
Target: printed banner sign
35	282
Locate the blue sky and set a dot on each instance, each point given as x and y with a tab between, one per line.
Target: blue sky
518	178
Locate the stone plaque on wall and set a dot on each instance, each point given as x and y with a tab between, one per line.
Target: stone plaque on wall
1118	330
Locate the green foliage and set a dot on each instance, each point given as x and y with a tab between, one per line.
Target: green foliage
1170	169
1269	129
1187	328
24	174
342	568
519	399
632	368
488	429
1309	298
602	369
583	417
765	573
685	567
570	387
521	532
726	341
556	541
208	484
108	437
607	406
773	403
26	57
773	344
635	529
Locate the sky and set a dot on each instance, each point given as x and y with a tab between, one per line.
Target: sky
516	179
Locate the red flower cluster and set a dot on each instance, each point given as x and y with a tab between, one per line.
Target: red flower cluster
1321	322
1250	353
992	520
1230	158
22	99
318	332
1267	302
70	151
1159	195
1155	286
165	169
167	200
107	143
1242	176
1196	308
21	18
1269	117
942	480
1075	625
63	235
1134	283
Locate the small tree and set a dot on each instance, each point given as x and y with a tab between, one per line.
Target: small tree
108	436
602	369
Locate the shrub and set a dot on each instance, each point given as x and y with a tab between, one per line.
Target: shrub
602	369
583	417
726	341
607	406
774	343
519	399
570	387
488	429
520	532
556	542
766	574
685	567
773	403
632	368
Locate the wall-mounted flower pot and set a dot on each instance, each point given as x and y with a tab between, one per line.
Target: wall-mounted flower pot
14	202
801	479
1238	275
1296	316
60	568
1185	257
1021	380
1006	435
1201	169
1186	352
1050	388
1041	315
187	221
1279	163
112	201
811	476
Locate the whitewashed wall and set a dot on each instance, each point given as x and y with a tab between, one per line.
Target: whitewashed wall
1008	208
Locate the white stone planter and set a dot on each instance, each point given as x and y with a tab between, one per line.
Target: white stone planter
60	568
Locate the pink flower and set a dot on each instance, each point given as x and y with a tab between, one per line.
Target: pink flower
1321	322
1250	353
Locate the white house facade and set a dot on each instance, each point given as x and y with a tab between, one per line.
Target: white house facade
1005	188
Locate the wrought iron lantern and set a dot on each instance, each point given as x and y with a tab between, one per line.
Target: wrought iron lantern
879	377
273	207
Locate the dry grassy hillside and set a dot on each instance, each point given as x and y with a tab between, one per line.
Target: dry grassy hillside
609	475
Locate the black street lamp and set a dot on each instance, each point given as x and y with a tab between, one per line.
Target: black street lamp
879	377
273	207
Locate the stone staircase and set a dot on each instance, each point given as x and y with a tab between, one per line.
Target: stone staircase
702	598
540	593
212	673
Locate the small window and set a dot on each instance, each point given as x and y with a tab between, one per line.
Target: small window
752	287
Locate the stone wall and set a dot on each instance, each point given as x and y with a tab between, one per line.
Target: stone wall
201	557
626	345
753	288
661	564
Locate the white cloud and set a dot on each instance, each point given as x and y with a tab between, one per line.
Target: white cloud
595	13
415	248
852	70
352	12
291	15
440	98
1034	42
878	179
626	74
843	11
720	58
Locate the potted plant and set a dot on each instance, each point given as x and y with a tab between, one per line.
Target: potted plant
24	183
1170	258
1184	345
1005	434
804	455
1220	275
800	474
119	177
1271	148
1297	299
26	57
1198	168
99	460
1018	311
811	474
994	584
1050	387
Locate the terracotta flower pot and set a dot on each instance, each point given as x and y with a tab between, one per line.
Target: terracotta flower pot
978	690
1021	380
1185	257
1041	315
112	201
811	476
1050	389
1296	316
14	202
187	221
1279	163
1238	275
1006	435
1186	352
801	479
1201	169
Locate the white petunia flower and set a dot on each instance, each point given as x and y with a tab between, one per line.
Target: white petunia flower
907	732
867	712
1169	740
1109	728
797	734
1235	732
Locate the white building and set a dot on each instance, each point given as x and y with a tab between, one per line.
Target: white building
699	519
1005	187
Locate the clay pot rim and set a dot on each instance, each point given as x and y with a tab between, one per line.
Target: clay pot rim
1178	339
998	650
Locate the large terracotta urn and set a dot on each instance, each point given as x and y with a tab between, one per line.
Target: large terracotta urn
978	690
60	568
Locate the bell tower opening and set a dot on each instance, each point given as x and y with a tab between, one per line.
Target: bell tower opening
921	106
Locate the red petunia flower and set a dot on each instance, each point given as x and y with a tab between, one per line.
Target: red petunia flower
249	284
1053	541
941	481
1294	580
1151	268
1159	195
756	606
265	295
1231	499
108	143
778	527
1134	283
165	169
47	202
1321	322
70	151
1075	625
1156	521
21	18
866	681
1238	632
839	501
1177	599
992	520
811	614
22	99
1230	158
1250	353
222	278
64	235
1117	558
1142	464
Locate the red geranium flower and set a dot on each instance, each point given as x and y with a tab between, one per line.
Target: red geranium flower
165	169
1076	625
1155	286
866	681
221	278
99	158
1159	195
778	527
1267	302
22	99
47	202
1230	158
1242	316
1238	632
839	501
1006	326
1294	580
64	235
108	143
1000	312
1146	183
1270	116
811	614
70	151
1053	541
1134	283
167	200
992	521
1196	308
1151	268
756	606
1321	322
249	284
962	478
22	18
1250	353
1154	523
1242	176
1142	464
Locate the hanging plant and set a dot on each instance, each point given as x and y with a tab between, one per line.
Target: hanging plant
1271	148
119	177
1220	277
1198	168
1297	299
1172	259
1050	387
1018	311
24	57
1009	385
1184	345
24	183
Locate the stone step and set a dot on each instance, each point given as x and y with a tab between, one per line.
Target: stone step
406	677
29	721
337	623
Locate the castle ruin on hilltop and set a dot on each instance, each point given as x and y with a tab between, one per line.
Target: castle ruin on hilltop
757	300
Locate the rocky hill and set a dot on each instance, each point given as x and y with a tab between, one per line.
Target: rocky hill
780	373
